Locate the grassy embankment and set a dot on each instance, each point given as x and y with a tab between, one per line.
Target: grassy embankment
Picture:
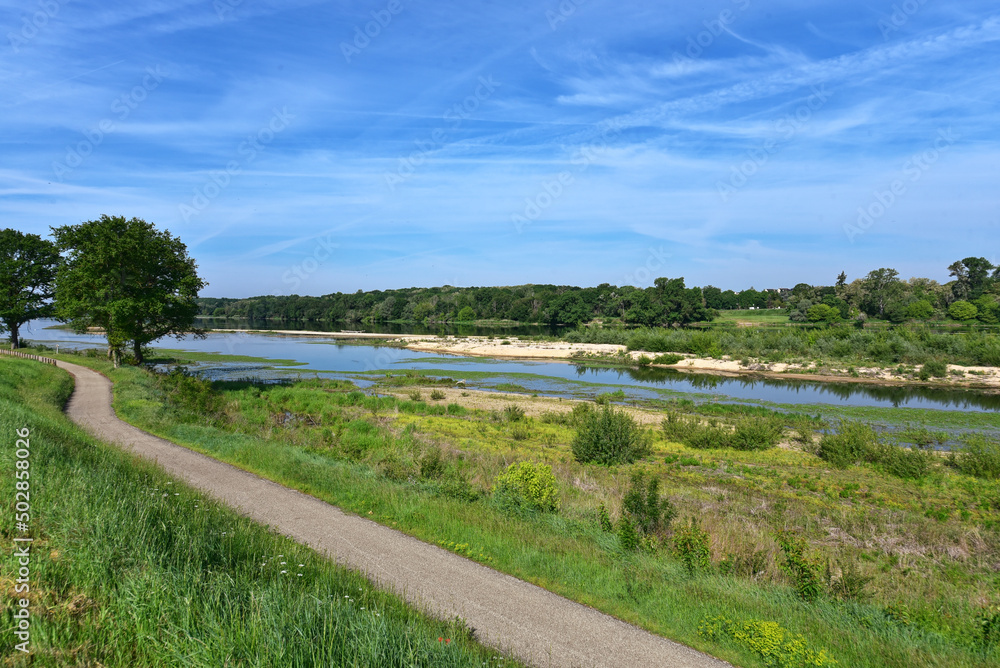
129	568
907	565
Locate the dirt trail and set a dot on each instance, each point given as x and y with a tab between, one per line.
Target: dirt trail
539	627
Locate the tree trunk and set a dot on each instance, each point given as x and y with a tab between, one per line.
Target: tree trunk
15	338
137	352
113	356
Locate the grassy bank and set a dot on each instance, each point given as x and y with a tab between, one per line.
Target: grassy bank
905	566
129	568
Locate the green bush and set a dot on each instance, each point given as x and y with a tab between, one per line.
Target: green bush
513	413
691	546
803	571
628	536
527	485
775	645
980	457
853	443
609	436
756	433
437	395
935	369
645	507
668	358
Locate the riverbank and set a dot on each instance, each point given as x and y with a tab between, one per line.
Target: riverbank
977	377
985	378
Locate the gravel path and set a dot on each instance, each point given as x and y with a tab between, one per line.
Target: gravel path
539	627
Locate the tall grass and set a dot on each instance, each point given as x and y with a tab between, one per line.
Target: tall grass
129	568
907	345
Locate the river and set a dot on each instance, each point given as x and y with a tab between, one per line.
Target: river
329	358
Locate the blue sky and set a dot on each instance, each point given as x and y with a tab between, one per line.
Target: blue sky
734	143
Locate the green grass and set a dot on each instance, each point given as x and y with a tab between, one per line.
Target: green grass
130	568
928	545
760	316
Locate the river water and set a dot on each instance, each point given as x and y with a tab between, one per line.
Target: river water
325	357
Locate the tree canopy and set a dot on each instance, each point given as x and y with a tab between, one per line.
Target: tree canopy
128	278
27	270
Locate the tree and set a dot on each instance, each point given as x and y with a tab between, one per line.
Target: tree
128	278
882	286
467	314
962	310
823	313
972	276
27	270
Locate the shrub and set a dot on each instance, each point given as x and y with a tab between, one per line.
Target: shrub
691	546
644	506
432	464
935	369
911	463
962	310
457	486
756	433
803	571
609	436
668	358
628	537
854	442
527	485
644	360
437	395
513	413
775	645
415	396
603	519
980	457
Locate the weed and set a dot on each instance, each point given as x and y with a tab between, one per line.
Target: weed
628	536
691	546
603	519
642	502
804	572
775	645
437	395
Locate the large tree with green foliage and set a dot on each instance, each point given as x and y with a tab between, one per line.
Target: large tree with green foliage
128	278
27	270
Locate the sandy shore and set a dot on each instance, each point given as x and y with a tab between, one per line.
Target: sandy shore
980	377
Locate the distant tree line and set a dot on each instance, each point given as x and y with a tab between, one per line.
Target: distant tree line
668	302
971	296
